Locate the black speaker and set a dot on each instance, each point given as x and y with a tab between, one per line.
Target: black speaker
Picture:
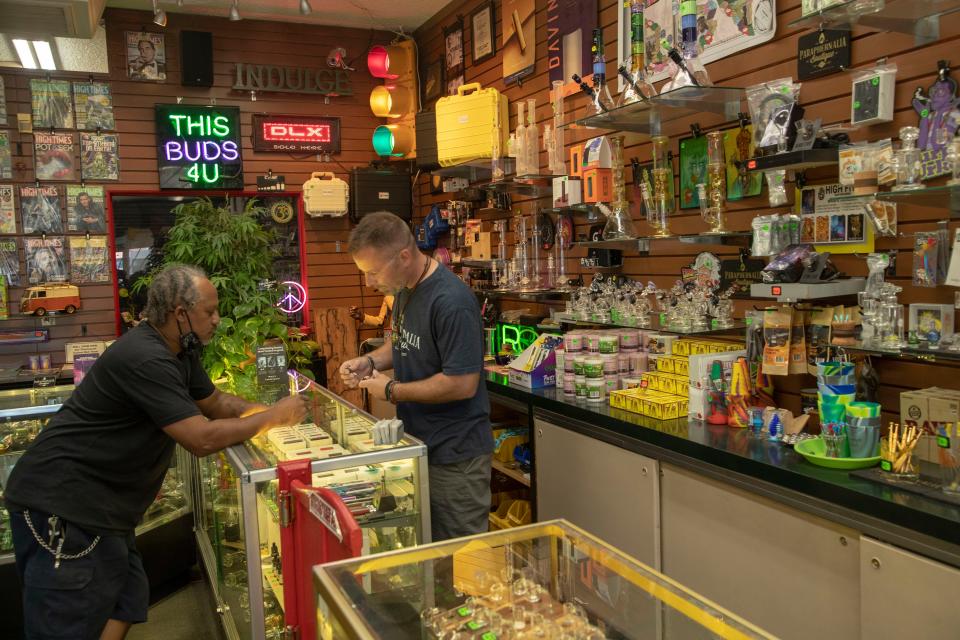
196	58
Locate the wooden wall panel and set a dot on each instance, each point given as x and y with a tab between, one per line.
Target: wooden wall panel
333	279
827	98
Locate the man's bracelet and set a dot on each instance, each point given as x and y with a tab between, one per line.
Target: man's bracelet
373	365
388	391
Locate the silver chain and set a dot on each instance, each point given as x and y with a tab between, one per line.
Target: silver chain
56	552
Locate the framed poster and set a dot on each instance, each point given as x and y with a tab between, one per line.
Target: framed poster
723	29
519	29
738	149
693	170
481	32
199	147
146	56
433	81
453	48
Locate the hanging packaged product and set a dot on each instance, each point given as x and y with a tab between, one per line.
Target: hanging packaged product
324	194
926	250
774	110
872	95
798	344
817	337
776	187
953	272
467	123
776	337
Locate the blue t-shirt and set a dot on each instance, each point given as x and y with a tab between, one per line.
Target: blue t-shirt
438	329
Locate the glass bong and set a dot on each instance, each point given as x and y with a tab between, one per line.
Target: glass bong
619	224
637	88
711	194
907	161
658	199
953	155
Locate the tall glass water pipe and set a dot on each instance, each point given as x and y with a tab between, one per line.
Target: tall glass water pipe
688	35
561	282
619	224
555	157
520	143
637	88
600	89
533	139
595	103
711	194
907	161
659	199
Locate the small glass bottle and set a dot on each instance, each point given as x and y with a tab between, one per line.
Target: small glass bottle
907	161
953	155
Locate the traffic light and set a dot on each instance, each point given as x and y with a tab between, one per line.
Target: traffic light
396	99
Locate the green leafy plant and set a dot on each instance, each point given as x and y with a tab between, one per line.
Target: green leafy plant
234	249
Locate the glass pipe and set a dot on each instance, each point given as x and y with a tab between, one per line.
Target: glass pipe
877	263
520	142
533	139
637	88
661	193
619	225
561	280
953	155
497	171
600	88
907	161
595	103
711	194
536	267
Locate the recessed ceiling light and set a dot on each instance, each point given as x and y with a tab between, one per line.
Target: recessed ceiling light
44	55
25	53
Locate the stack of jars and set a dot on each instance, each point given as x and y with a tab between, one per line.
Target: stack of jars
594	363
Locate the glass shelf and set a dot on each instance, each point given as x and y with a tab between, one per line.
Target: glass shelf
734	238
523	185
655	325
472	170
918	17
641	245
480	264
943	354
648	116
547	294
24	336
491	213
943	197
799	291
796	160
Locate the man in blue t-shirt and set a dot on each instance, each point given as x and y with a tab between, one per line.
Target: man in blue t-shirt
437	358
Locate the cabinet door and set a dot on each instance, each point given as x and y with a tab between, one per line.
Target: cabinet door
605	490
903	595
791	574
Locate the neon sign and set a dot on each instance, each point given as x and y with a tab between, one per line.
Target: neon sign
294	297
302	134
199	147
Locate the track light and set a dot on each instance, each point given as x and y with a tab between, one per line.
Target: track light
305	8
159	15
235	13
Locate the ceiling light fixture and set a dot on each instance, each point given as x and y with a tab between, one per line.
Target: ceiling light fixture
305	8
159	15
25	53
45	55
235	13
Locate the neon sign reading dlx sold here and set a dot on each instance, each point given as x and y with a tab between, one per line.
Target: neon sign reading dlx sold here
198	147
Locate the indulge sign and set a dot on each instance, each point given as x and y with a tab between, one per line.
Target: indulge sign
268	77
198	147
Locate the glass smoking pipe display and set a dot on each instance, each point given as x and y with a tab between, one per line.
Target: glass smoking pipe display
555	153
907	161
686	69
658	198
953	155
637	88
612	300
532	147
619	225
711	194
600	88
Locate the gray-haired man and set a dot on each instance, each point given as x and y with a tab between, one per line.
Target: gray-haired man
437	358
81	488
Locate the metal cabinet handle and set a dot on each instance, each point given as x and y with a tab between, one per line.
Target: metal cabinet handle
643	471
875	562
540	432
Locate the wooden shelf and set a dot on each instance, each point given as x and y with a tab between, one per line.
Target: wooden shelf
515	474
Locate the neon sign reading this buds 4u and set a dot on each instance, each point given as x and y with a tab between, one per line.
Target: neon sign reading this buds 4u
198	147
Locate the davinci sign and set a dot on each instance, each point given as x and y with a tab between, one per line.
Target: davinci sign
198	147
268	77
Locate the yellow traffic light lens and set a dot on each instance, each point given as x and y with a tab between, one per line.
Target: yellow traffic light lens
390	102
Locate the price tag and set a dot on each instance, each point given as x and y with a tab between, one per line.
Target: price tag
886	466
943	442
463	612
644	384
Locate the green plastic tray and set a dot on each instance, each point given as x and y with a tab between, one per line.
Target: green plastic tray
813	450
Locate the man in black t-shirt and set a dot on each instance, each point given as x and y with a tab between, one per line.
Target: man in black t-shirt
437	357
81	488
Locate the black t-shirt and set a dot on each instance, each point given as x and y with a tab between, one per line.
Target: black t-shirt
101	459
441	331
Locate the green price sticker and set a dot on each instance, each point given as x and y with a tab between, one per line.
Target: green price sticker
748	320
885	465
489	635
473	625
663	318
943	442
925	113
856	104
463	612
766	227
875	80
688	7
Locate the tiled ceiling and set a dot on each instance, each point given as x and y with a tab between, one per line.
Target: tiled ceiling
365	14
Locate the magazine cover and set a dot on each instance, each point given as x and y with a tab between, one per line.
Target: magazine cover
53	155
45	259
94	105
8	214
6	164
99	159
40	209
52	106
146	56
88	260
3	103
9	261
85	211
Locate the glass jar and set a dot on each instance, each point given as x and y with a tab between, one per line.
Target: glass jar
907	161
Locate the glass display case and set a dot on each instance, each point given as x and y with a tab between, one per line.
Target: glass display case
23	413
238	515
547	580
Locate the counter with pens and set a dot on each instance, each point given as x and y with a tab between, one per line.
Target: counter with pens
737	517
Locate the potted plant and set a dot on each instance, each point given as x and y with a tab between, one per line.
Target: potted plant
234	249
